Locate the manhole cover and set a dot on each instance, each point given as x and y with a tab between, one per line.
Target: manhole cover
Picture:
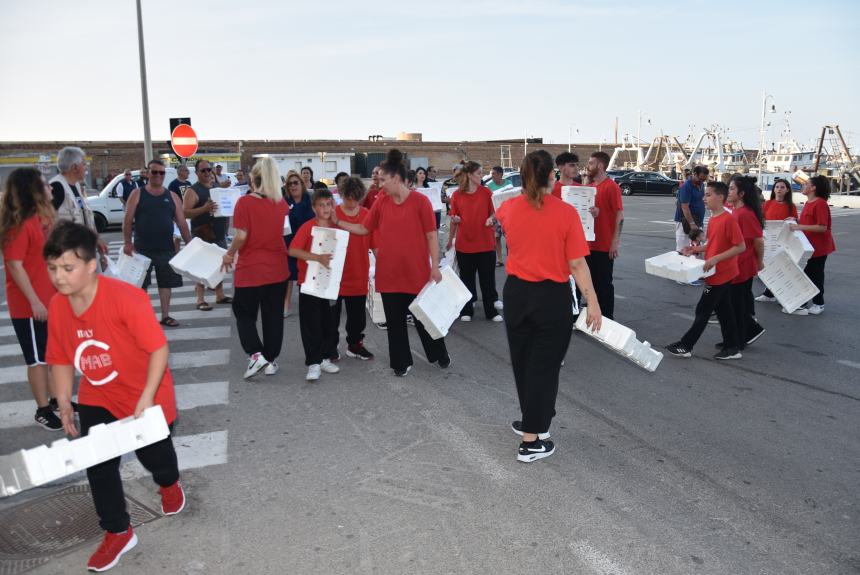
33	532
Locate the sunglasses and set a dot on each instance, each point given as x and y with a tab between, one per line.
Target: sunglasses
204	170
157	172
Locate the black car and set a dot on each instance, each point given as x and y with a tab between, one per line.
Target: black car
615	174
647	183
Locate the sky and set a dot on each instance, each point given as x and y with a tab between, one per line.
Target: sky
452	70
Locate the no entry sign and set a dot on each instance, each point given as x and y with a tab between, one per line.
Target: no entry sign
184	140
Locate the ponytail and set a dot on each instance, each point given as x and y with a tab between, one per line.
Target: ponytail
536	170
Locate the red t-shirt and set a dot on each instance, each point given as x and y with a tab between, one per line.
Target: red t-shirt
774	210
817	213
304	241
750	230
541	242
356	267
556	189
25	244
110	345
402	253
723	233
608	201
263	257
473	235
372	194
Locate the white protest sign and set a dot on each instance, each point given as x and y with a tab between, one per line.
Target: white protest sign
225	200
582	198
434	194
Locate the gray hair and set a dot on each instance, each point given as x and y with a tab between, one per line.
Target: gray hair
69	157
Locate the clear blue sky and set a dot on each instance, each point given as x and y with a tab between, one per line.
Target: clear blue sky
453	70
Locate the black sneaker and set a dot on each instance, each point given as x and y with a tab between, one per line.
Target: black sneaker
445	361
679	350
358	351
517	427
46	418
759	331
535	450
52	403
728	353
721	345
402	372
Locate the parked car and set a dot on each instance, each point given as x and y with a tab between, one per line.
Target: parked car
615	174
647	183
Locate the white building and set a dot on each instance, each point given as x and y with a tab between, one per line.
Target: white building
325	165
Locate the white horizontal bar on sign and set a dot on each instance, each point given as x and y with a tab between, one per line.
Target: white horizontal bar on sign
192	452
184	141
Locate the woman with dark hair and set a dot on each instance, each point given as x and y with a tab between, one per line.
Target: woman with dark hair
307	174
407	257
780	206
546	244
745	201
816	223
472	226
299	200
421	178
26	219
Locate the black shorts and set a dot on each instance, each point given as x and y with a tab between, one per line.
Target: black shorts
165	277
33	337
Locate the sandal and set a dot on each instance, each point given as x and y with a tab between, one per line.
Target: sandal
203	306
225	300
169	322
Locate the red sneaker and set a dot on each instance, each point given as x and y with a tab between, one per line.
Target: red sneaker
172	499
112	548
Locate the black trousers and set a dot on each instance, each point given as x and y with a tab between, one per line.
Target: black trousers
714	298
268	301
538	321
396	306
484	264
316	323
105	481
815	271
743	305
356	318
600	267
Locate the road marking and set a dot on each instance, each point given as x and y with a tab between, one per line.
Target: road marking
684	315
667	222
197	314
195	333
853	364
6	330
596	560
185	288
188	396
192	452
10	350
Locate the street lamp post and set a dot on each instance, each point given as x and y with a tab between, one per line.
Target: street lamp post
763	132
147	138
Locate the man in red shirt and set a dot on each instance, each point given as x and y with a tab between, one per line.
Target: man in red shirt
608	213
568	166
107	330
725	243
374	189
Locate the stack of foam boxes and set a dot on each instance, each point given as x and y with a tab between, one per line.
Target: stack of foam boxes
786	253
320	281
200	262
674	266
33	467
622	340
437	305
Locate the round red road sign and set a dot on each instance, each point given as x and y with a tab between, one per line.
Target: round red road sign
184	140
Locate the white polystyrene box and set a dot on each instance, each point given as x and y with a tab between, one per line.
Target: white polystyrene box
434	194
622	340
374	302
200	262
796	245
502	195
225	201
770	234
674	266
784	278
582	198
321	281
437	305
130	269
288	229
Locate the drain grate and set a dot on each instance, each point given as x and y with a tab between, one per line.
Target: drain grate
34	532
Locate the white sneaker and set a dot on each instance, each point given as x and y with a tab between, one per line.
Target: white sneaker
271	369
798	311
499	305
763	297
498	318
465	318
255	363
328	367
313	372
815	309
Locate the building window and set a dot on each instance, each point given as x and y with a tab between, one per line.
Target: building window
330	166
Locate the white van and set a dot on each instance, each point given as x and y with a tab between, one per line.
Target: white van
107	206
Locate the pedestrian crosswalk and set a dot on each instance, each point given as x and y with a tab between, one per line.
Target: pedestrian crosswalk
199	352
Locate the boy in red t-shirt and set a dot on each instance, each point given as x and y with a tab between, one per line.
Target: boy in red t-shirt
725	242
316	315
107	330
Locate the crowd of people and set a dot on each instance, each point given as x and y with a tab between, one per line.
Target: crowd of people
69	316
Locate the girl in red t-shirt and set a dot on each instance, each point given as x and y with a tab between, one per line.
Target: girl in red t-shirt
746	203
260	281
779	207
815	221
407	257
26	217
472	219
546	245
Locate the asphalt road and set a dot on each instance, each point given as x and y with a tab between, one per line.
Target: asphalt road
703	467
